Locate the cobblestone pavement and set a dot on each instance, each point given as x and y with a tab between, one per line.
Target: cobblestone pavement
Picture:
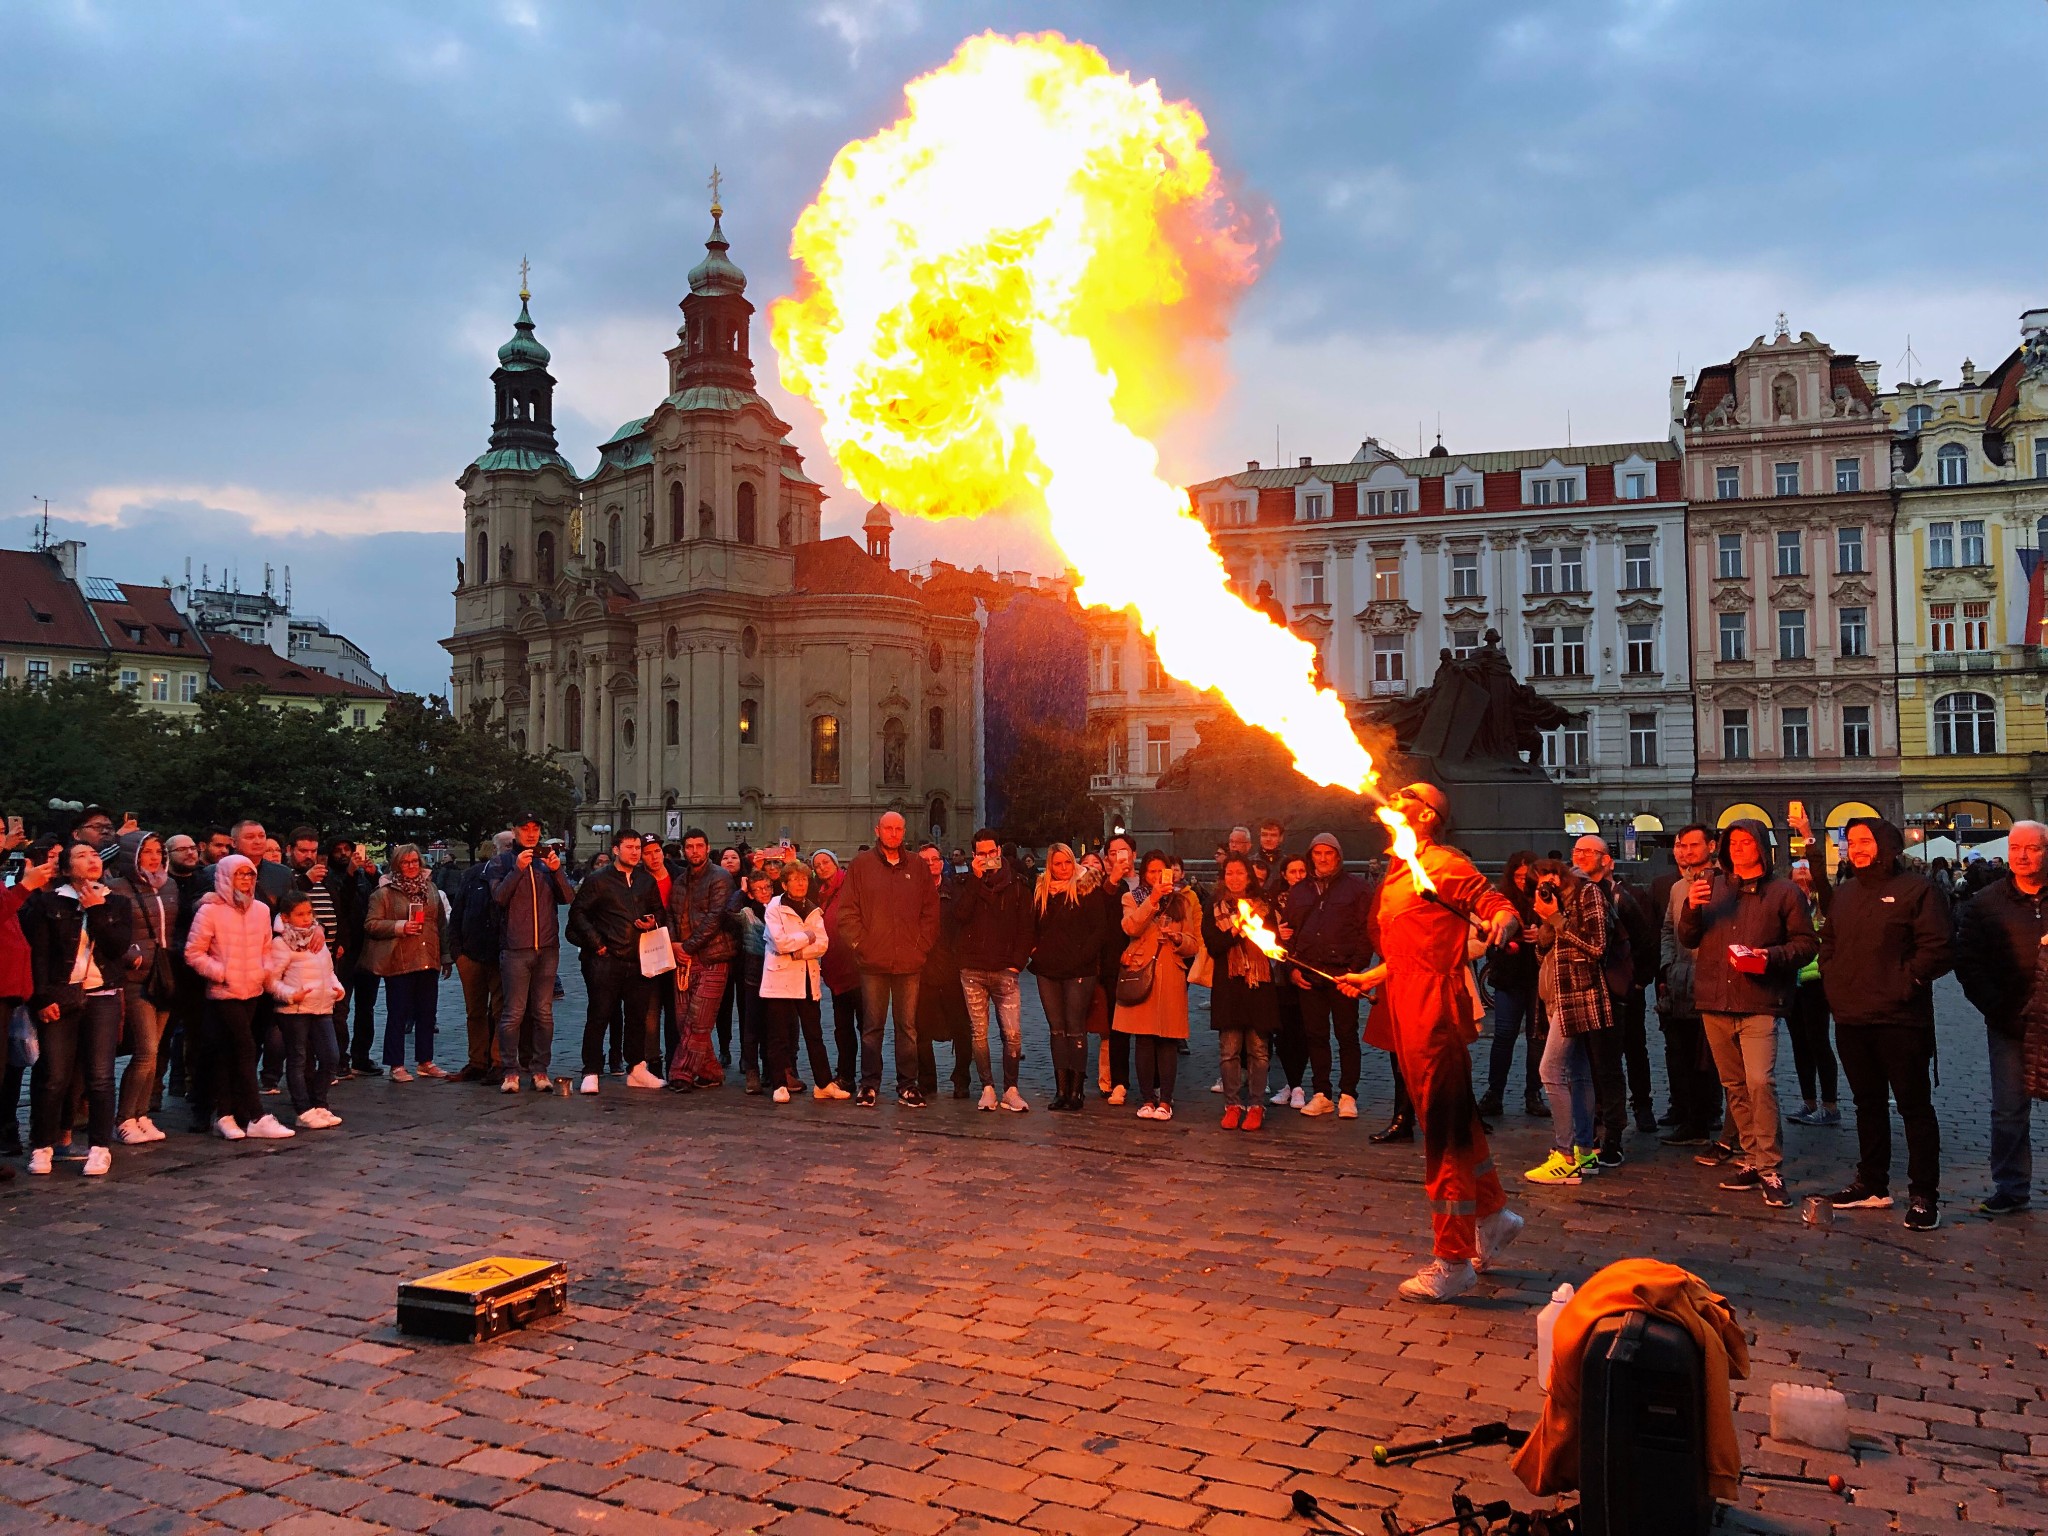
818	1318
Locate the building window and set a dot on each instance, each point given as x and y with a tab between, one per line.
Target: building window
1635	486
1389	663
38	671
1375	503
1464	642
935	729
1787	479
131	680
1848	474
1855	631
895	751
188	687
615	539
1848	551
2041	458
672	723
1941	544
1541	570
1973	543
1158	748
1572	657
1397	502
1642	649
1386	578
743	518
572	718
678	512
1312	582
1461	493
1539	493
1543	652
1095	674
1964	725
1315	508
1465	574
1116	669
1155	675
1727	483
1565	749
1976	626
81	669
359	718
1635	567
1941	627
1952	464
1734	636
1642	741
707	522
1241	511
1571	569
1792	634
1790	562
483	557
1735	735
1728	555
159	687
1918	417
824	749
935	813
1795	728
1855	730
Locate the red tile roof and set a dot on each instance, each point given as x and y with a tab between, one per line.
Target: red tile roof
148	610
238	664
38	606
841	568
2004	384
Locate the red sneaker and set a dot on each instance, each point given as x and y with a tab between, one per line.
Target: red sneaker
1255	1117
1232	1116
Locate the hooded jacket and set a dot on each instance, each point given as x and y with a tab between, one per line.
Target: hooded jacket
1767	913
1329	917
1886	939
229	944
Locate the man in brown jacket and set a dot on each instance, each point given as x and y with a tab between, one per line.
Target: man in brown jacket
889	918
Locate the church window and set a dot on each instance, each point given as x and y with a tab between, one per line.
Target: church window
744	517
783	525
749	712
626	730
895	738
613	529
476	670
936	813
572	718
676	512
825	749
750	640
518	738
544	558
935	658
672	723
673	641
707	523
935	728
483	557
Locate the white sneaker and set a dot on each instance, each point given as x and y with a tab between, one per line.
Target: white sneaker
1281	1095
149	1125
1146	1111
640	1077
399	1075
1013	1101
1439	1280
510	1085
1319	1105
1116	1094
131	1134
40	1159
1495	1233
268	1129
988	1096
780	1096
589	1083
1217	1086
1347	1107
226	1129
98	1161
1295	1099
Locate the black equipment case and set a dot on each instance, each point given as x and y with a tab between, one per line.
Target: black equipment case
1642	1430
479	1301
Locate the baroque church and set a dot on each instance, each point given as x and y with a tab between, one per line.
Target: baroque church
673	630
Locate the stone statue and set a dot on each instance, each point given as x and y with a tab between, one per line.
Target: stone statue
1784	397
458	570
576	530
1474	711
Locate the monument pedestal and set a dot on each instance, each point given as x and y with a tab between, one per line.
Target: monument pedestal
1496	813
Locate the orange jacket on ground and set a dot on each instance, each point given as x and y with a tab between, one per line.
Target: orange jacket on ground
1549	1462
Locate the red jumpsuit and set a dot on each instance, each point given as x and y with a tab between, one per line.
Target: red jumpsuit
1427	1016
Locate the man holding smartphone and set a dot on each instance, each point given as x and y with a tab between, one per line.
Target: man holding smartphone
992	910
529	886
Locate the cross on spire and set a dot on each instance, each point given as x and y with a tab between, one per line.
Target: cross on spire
523	294
716	180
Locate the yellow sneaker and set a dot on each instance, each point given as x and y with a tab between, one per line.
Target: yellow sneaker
1558	1168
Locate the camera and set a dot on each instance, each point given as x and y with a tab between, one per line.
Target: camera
1548	889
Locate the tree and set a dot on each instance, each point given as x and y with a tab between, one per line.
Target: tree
76	738
1044	787
466	775
244	756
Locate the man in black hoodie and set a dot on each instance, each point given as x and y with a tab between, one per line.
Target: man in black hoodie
1885	942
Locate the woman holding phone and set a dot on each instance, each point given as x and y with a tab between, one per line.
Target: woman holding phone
405	941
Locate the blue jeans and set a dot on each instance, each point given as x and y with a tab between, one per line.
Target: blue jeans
409	1003
1000	988
526	981
1512	1012
1567	1073
879	993
2012	1149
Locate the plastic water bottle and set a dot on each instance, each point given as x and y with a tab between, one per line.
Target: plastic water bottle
1546	1329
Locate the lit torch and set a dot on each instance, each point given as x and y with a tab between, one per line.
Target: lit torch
1253	927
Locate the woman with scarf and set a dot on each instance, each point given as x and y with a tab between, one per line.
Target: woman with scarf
1162	923
229	945
406	942
78	944
1075	915
793	984
152	983
1244	1007
302	980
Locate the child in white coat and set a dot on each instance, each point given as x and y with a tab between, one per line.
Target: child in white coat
791	986
304	985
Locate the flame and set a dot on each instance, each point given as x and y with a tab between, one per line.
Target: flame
1404	845
1253	927
997	294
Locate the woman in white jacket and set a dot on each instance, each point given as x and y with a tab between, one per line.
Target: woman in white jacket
791	985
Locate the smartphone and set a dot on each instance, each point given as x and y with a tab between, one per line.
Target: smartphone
14	826
414	912
1798	810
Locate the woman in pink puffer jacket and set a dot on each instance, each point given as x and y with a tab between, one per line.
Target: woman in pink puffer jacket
230	947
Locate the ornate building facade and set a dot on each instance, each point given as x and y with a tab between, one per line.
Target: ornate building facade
1575	555
675	632
1787	454
1970	474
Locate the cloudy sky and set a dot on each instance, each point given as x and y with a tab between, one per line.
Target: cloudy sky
258	255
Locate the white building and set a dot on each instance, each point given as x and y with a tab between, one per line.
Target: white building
265	618
1576	555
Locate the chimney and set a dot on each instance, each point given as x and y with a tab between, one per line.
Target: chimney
1306	460
1251	463
1868	369
70	558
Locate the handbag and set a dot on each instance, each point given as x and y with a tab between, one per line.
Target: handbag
657	954
1202	969
1134	982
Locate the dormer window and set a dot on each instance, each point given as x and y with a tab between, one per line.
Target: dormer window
1315	507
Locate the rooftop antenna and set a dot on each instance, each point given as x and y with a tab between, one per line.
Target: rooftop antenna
1909	364
287	588
1276	445
1418	440
42	535
1567	427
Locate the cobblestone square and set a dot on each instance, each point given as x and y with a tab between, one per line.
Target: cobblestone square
818	1317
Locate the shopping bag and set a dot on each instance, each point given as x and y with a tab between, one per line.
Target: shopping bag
657	955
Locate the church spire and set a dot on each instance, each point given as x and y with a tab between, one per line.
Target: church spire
717	317
525	389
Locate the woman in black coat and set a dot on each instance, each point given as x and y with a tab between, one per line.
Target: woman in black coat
1244	1006
78	935
1075	915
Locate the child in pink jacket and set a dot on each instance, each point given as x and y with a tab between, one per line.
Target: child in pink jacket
230	947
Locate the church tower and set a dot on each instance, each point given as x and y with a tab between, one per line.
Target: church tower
717	319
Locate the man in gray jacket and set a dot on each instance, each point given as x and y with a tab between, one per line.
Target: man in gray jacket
1750	929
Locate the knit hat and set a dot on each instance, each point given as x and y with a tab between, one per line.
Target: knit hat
1328	840
837	861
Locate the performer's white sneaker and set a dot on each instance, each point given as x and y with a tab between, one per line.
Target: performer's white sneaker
1440	1280
1495	1233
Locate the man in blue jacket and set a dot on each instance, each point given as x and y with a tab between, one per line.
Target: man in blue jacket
529	886
1324	921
